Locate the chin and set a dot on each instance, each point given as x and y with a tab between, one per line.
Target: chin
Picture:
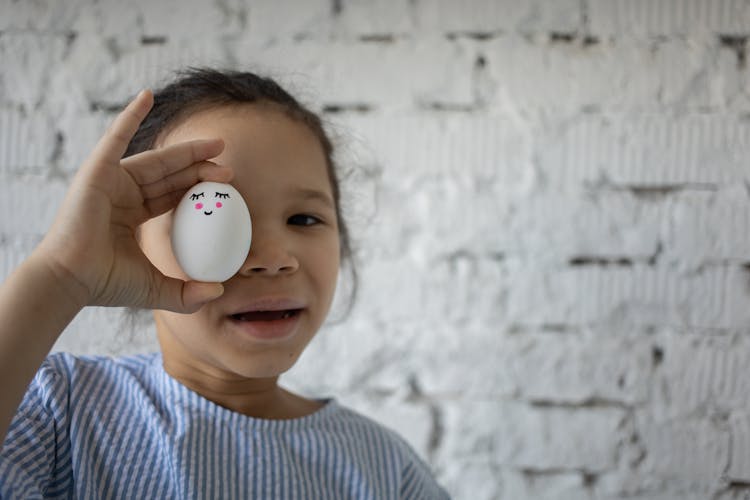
263	368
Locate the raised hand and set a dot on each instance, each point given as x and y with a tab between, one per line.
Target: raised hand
91	246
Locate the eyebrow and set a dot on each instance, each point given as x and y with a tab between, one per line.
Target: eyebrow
314	194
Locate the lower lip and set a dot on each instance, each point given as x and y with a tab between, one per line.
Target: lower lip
279	329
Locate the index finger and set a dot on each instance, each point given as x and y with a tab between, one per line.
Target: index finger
114	142
156	164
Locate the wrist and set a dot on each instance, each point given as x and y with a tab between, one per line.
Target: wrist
71	288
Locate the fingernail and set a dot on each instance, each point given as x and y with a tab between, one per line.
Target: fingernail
216	292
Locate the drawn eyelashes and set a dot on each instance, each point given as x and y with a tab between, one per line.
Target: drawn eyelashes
201	195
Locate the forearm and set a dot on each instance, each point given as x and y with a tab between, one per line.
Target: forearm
35	307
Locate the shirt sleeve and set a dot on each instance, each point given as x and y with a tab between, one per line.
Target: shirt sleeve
35	457
418	483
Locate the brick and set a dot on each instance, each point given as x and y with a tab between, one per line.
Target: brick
80	133
375	18
424	72
478	479
648	150
700	375
693	451
629	296
557	79
538	439
27	142
30	205
642	18
550	485
33	59
96	66
732	492
638	485
437	219
492	15
184	22
557	228
739	463
708	226
579	368
286	19
493	148
473	360
137	19
545	368
692	228
42	15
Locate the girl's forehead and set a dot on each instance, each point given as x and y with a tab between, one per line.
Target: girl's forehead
261	145
227	117
248	129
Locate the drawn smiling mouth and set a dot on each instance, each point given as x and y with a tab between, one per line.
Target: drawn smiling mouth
209	213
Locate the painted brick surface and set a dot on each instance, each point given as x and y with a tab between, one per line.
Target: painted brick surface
550	202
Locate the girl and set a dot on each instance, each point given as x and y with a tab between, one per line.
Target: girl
205	417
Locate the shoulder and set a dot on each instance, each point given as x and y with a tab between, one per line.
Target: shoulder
64	363
377	434
62	366
62	374
416	477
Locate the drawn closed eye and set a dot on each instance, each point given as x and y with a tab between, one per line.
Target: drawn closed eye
196	196
222	195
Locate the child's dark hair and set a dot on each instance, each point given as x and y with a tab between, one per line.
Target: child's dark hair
197	89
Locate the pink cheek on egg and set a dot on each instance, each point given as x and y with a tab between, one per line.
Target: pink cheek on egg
198	206
218	204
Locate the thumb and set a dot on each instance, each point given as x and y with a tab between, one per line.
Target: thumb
187	296
196	293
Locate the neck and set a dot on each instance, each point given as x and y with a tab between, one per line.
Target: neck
260	398
255	397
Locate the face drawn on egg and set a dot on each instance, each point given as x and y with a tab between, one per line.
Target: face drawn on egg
211	232
199	206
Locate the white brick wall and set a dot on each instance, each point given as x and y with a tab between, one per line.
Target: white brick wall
550	200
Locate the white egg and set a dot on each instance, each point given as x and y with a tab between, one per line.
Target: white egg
211	232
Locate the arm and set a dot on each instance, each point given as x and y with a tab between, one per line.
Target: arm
90	255
35	306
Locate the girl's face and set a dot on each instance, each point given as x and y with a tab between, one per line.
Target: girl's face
280	170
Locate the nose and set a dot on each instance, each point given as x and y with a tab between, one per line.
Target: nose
269	255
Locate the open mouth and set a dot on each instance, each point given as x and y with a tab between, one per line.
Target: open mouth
209	213
266	315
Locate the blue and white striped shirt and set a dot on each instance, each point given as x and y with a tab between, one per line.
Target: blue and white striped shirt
96	427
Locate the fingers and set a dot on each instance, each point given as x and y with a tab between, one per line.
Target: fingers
164	195
154	165
164	203
195	294
203	171
114	142
185	296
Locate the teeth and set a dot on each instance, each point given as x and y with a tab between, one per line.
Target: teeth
287	314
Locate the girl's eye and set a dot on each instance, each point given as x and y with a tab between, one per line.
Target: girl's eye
196	196
304	220
222	195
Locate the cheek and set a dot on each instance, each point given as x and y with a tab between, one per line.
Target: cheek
156	245
327	263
